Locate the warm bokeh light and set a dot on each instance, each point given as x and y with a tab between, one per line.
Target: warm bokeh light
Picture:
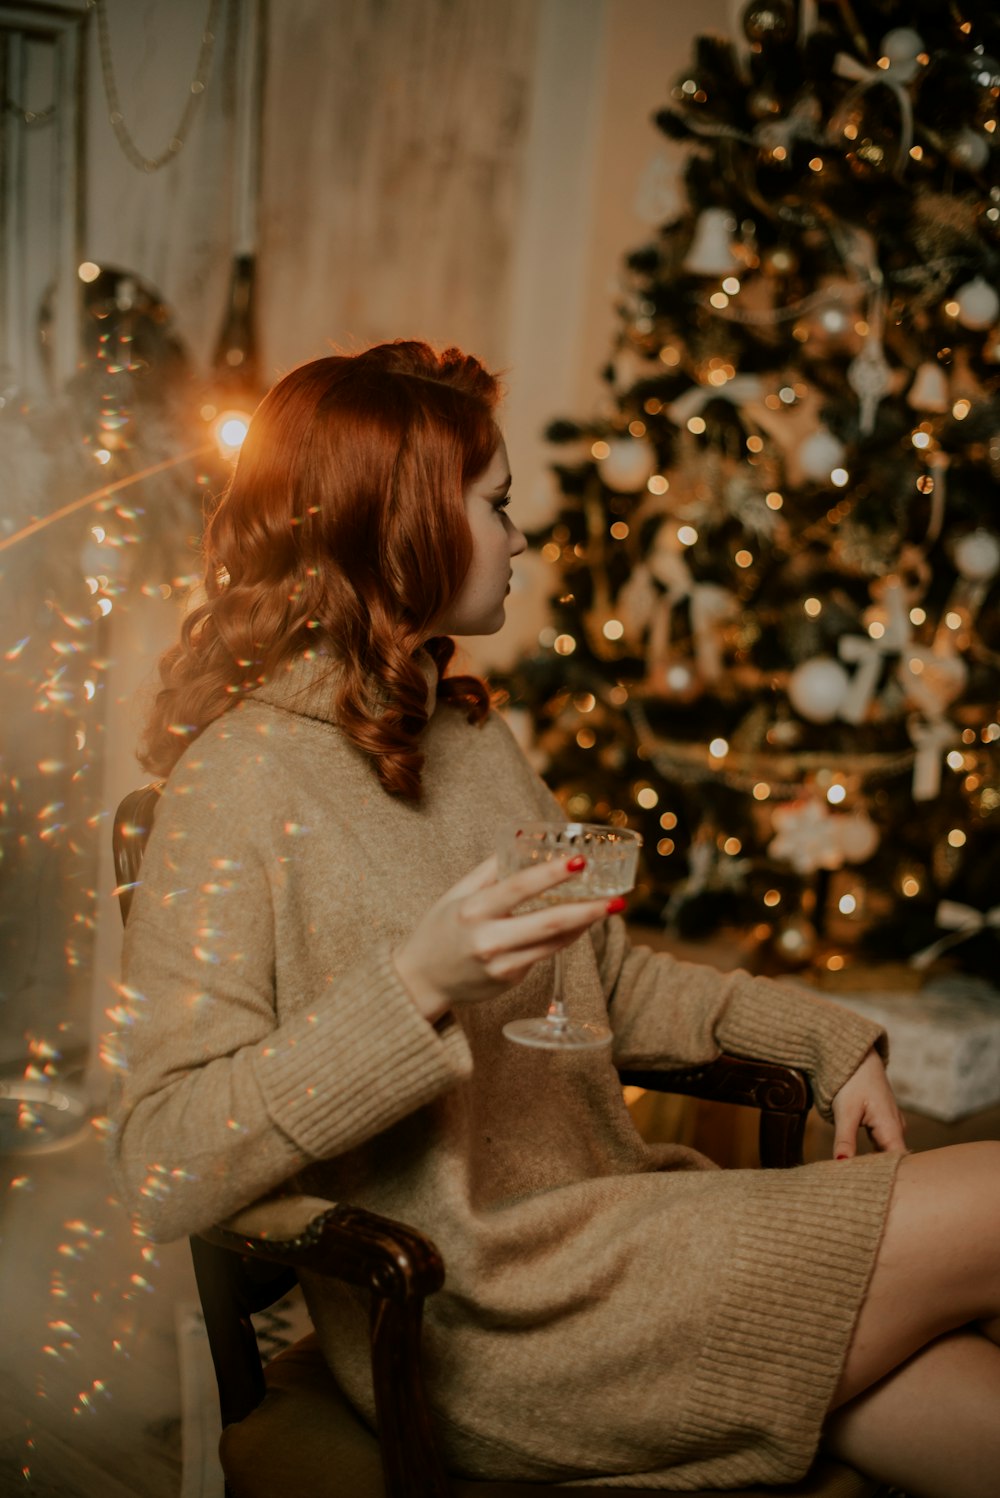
230	431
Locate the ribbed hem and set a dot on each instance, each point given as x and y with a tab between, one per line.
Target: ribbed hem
774	1351
795	1026
357	1062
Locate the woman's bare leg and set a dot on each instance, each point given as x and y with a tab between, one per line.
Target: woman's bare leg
916	1406
932	1427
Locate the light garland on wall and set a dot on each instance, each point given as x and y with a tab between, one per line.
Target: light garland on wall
196	91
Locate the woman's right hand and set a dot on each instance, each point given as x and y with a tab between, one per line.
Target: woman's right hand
471	946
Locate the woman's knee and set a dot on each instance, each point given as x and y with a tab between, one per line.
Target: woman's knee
942	1234
938	1265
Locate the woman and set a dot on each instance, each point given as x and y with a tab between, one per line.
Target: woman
322	956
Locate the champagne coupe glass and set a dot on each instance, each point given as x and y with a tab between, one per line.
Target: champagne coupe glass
612	854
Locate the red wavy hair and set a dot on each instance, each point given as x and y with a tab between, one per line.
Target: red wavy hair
344	523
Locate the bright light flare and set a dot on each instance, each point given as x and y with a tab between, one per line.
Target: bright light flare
230	430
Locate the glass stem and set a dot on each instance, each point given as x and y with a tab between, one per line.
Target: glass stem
556	1015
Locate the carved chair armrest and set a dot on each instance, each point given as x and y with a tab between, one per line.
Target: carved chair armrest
399	1267
781	1093
394	1261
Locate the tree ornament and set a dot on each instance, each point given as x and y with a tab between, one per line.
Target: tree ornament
902	47
820	454
739	391
977	555
711	252
867	652
709	606
978	304
777	137
879	145
930	738
969	150
869	158
931	679
985	71
629	463
858	837
817	687
636	602
929	391
804	836
767	21
869	374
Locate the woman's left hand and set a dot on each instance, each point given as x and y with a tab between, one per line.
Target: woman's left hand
866	1101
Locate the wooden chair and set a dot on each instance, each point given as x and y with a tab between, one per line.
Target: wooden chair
287	1429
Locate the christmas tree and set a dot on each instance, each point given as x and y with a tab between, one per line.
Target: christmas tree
775	646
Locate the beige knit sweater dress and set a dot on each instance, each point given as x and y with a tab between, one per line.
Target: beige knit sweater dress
610	1307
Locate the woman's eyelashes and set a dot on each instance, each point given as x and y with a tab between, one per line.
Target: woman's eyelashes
502	504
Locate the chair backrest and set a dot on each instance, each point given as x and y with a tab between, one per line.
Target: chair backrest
231	1286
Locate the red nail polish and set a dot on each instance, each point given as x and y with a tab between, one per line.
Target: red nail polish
576	863
843	1157
615	906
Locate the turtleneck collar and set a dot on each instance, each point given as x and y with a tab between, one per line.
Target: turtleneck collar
307	684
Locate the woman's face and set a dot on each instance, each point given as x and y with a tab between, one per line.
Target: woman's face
478	608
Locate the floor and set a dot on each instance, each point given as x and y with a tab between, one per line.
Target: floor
90	1389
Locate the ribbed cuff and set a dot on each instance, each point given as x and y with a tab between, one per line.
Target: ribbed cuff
775	1348
357	1061
793	1025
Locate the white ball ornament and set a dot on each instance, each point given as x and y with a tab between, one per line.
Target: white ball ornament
977	556
820	454
902	46
817	688
628	465
858	837
969	150
978	304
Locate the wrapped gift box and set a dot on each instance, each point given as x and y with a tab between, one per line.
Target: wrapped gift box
944	1043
